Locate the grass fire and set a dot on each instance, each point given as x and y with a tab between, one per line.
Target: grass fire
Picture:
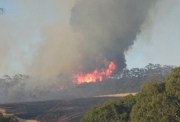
96	75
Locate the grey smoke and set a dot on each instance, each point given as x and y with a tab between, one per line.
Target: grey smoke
109	27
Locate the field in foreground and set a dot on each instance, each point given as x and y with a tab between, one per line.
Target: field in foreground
69	110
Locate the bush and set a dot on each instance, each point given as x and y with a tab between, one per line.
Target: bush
111	111
159	101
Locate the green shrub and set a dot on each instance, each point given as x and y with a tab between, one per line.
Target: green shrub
111	111
159	102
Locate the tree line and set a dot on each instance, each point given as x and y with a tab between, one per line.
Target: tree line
21	88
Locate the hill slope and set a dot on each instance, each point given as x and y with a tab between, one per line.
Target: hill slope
69	110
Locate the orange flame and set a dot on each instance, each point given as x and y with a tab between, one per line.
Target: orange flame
96	75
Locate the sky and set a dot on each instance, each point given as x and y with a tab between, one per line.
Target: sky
24	25
21	26
159	43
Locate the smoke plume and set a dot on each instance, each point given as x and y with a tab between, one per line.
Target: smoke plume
109	27
99	32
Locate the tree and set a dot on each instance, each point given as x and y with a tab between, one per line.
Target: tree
111	111
173	83
159	101
173	92
149	103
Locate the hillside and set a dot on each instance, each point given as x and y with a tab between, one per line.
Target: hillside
21	88
69	110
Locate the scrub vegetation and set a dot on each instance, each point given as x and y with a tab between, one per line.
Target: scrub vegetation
156	101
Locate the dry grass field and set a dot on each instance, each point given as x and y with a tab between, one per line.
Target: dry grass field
117	95
69	110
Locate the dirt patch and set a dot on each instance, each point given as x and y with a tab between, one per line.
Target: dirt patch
117	95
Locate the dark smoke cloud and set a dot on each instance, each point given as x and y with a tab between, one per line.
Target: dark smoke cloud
109	27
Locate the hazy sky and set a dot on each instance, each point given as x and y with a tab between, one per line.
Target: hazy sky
21	29
22	24
160	42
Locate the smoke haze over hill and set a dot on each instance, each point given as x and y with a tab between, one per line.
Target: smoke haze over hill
24	88
50	41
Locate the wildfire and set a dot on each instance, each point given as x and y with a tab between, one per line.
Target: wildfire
96	75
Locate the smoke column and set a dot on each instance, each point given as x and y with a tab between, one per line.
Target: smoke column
109	27
99	32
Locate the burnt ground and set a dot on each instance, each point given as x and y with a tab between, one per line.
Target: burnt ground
69	110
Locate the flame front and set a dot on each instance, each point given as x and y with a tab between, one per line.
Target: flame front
96	75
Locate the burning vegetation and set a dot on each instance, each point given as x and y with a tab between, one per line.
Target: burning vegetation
19	87
96	75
